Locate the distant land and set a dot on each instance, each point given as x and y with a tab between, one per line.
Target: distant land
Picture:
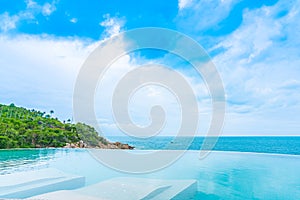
24	128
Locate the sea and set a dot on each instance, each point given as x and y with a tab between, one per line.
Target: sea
272	145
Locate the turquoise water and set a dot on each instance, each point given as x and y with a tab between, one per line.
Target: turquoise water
20	160
221	175
277	145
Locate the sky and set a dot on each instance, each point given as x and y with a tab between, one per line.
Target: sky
253	44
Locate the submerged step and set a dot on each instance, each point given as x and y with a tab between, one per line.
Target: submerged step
129	189
31	183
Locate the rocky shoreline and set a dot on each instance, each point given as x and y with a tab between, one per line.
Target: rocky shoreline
108	145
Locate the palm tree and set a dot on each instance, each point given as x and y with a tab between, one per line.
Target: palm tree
51	112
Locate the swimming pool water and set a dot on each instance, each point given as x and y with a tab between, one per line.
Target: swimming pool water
221	175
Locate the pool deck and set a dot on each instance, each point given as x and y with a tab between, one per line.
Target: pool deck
52	184
128	189
27	184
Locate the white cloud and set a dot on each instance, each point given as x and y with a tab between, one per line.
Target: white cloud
258	62
113	25
31	4
48	8
253	53
195	16
40	71
184	4
143	99
8	22
259	67
74	20
259	59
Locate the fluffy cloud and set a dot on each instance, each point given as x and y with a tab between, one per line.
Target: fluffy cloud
48	9
255	59
260	59
201	15
184	4
112	25
9	22
40	71
147	96
258	62
74	20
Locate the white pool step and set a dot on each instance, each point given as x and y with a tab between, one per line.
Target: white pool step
30	183
128	189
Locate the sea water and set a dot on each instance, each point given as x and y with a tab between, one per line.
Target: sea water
277	145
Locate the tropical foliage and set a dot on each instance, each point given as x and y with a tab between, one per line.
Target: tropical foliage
23	128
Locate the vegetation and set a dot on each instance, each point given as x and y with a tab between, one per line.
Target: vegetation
23	128
89	135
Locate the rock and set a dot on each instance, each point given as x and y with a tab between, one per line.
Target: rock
126	146
123	146
68	145
81	144
108	145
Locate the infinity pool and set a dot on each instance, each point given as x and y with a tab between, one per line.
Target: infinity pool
221	175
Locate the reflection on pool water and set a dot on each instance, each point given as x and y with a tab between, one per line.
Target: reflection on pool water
24	159
221	175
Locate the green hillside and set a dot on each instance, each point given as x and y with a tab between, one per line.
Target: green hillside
23	128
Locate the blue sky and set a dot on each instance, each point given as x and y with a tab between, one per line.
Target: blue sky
254	45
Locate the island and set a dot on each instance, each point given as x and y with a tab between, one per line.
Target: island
24	128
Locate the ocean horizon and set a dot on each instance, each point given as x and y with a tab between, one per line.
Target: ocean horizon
256	144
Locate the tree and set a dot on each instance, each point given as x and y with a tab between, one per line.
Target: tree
23	128
33	129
